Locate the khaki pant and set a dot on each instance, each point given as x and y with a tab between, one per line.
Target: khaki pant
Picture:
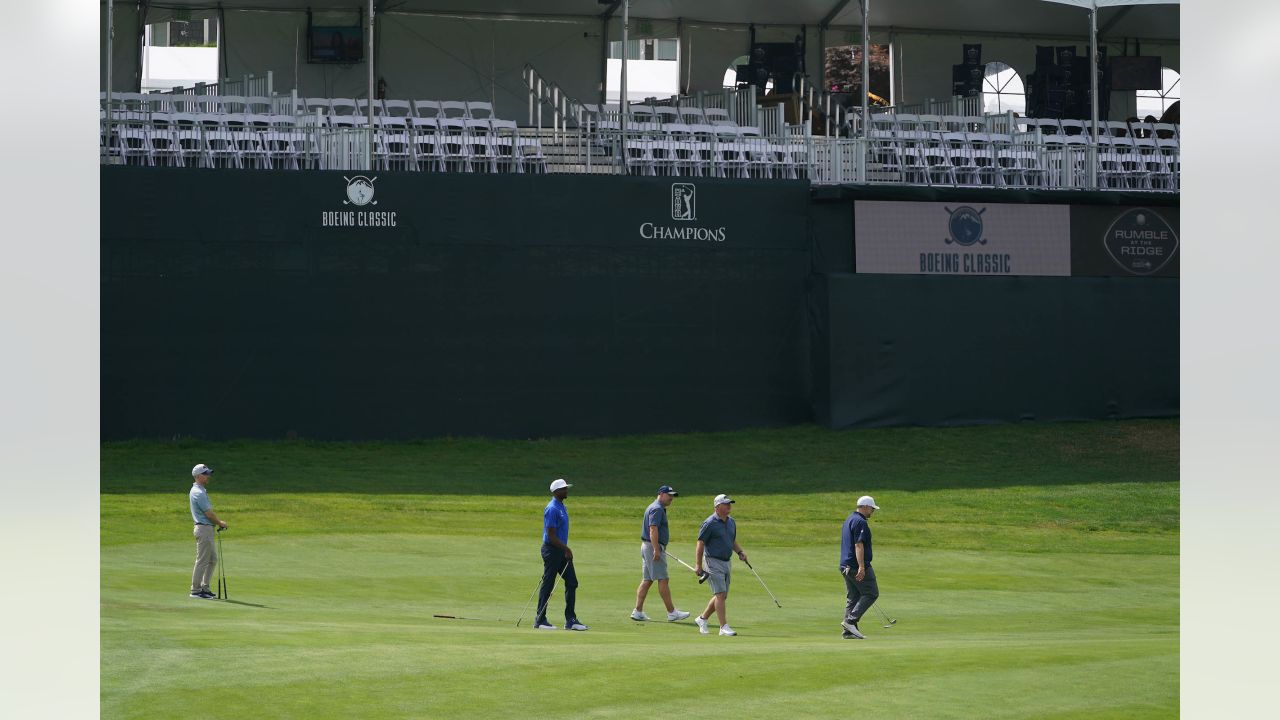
206	558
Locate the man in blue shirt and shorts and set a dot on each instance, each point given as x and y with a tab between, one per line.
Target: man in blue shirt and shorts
653	556
717	539
557	559
860	586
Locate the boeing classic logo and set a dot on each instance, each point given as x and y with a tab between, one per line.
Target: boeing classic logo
964	228
360	193
684	208
1140	241
964	224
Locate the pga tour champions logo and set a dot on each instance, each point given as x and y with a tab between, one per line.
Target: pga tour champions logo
684	209
360	192
1140	241
965	226
683	197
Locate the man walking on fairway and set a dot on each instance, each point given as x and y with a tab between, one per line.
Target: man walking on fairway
653	560
557	559
205	519
717	538
855	566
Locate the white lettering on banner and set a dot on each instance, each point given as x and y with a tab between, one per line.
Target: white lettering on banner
359	192
651	231
929	238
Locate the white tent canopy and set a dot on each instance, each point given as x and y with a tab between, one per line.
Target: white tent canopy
476	49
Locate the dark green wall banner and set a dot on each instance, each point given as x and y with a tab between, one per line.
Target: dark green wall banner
401	305
1126	241
922	350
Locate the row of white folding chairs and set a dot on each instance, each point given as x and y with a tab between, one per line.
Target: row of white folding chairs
163	102
397	108
888	122
998	159
661	115
740	158
1106	128
224	120
295	148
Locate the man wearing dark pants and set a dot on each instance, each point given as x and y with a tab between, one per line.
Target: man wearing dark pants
860	586
557	559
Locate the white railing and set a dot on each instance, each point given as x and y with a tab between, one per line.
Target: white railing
956	105
907	157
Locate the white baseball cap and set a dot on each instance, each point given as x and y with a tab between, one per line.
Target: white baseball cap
559	484
201	469
723	499
868	501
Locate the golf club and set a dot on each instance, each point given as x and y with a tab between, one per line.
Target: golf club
536	588
543	609
766	587
887	619
223	592
702	576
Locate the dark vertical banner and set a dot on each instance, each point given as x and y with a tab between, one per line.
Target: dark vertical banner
402	305
1126	241
953	350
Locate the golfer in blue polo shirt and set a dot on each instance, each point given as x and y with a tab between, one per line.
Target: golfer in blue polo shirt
717	539
557	559
860	586
654	535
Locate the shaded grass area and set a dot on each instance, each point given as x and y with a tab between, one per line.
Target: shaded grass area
1033	570
802	459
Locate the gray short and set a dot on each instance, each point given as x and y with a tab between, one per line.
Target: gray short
719	570
651	570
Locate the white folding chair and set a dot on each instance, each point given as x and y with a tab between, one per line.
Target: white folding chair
479	110
322	104
455	144
453	109
362	108
343	107
427	108
165	149
220	149
397	108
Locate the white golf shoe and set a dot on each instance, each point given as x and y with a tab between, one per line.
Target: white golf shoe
638	615
672	616
726	630
852	630
702	625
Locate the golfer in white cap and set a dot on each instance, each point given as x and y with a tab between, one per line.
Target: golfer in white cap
860	586
205	519
717	539
557	559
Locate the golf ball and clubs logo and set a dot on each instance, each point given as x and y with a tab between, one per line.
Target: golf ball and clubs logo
965	226
360	191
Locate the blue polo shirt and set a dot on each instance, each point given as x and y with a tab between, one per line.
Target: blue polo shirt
199	499
655	514
718	535
556	517
855	530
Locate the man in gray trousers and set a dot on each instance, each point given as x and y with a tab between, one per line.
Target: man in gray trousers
860	586
205	519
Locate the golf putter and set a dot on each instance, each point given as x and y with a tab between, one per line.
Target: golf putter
887	619
224	593
702	576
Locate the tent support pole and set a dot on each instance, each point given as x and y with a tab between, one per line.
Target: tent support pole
866	64
1093	96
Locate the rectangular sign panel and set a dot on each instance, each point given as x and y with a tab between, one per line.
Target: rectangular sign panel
1125	241
920	238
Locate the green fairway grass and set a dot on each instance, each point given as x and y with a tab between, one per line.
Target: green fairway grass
1033	571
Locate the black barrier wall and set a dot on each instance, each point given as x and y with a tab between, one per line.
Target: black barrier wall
400	305
930	350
